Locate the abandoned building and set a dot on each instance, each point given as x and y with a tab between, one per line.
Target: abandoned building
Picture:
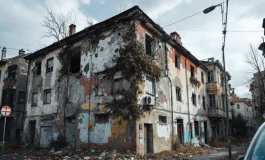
13	80
122	84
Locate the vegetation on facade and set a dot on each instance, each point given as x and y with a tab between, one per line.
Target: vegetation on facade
195	81
133	63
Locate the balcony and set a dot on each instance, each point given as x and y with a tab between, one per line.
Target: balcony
215	112
214	88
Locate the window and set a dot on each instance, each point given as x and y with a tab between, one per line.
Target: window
22	97
196	126
101	118
49	67
150	86
12	72
203	102
117	85
223	102
202	77
177	61
47	96
162	119
75	60
37	69
210	76
8	97
178	93
149	45
192	71
238	106
212	100
194	99
34	99
217	77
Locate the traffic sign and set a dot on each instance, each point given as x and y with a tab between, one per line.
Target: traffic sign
5	111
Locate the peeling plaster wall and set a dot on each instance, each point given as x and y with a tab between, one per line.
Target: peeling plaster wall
2	69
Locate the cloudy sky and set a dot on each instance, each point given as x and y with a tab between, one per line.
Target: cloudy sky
21	26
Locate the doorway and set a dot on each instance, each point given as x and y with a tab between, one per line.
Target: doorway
205	132
148	138
32	125
180	130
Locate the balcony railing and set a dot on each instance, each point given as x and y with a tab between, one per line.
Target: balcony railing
215	112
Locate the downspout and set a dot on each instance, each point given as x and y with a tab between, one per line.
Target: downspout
171	99
187	89
24	109
89	101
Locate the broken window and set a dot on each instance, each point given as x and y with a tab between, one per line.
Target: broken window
47	96
162	119
8	97
193	99
49	67
37	69
178	93
22	97
202	77
203	102
101	118
177	61
149	45
210	76
196	126
192	71
117	85
12	72
150	86
75	60
212	100
35	99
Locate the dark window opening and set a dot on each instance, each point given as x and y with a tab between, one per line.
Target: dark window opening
75	60
177	61
149	45
49	67
47	96
212	100
117	85
192	71
193	99
202	77
12	72
34	99
203	102
8	97
178	93
162	119
22	97
196	125
37	69
210	76
101	118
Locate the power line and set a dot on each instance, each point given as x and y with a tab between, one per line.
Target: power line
15	48
195	30
34	42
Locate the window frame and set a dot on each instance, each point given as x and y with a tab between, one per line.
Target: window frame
163	119
151	40
75	52
46	91
212	100
192	71
210	76
238	106
37	70
178	94
196	128
193	97
152	80
203	102
100	120
47	62
177	61
32	102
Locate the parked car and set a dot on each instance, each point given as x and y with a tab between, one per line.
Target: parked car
256	149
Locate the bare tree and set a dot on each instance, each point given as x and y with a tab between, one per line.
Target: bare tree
257	86
57	24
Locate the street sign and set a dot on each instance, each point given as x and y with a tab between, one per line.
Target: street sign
5	111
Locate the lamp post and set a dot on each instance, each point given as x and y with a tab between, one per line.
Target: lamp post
224	25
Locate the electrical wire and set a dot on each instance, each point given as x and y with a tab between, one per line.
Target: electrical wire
15	48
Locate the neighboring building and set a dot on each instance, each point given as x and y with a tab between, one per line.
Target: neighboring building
243	106
216	97
69	89
13	80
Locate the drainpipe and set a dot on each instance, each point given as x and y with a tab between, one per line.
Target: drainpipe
187	89
171	103
89	101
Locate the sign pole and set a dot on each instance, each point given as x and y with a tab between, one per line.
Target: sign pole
3	143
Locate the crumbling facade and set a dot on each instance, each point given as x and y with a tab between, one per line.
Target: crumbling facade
13	77
120	84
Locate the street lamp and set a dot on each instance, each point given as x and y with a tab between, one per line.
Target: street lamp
224	25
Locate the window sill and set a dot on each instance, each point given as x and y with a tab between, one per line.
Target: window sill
34	105
161	123
46	103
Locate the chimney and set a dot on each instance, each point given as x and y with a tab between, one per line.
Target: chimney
21	52
3	53
72	29
176	37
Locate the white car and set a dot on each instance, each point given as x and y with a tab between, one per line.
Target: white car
256	149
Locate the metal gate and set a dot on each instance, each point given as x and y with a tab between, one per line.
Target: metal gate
45	136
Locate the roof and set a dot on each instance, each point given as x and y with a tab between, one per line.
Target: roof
113	20
217	63
4	61
243	100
